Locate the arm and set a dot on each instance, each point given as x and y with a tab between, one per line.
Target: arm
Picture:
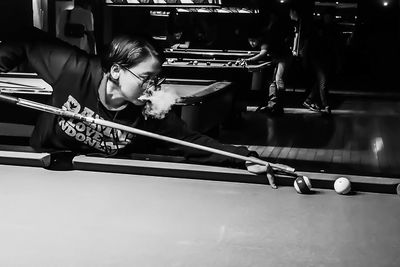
175	127
260	56
60	25
184	45
91	42
90	33
46	54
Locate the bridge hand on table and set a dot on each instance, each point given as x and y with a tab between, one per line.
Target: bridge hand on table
243	62
259	169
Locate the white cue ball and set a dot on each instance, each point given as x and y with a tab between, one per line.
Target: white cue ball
342	185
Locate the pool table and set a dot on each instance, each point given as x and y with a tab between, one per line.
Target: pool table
99	215
209	53
204	105
23	85
247	77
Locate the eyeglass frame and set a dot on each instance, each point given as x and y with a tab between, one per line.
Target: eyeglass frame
160	80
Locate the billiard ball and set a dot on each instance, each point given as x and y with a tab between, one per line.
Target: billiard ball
208	63
229	63
190	62
302	184
195	62
342	185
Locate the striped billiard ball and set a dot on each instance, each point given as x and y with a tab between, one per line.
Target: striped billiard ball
302	185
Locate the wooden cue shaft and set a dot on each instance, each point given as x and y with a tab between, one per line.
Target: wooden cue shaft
61	112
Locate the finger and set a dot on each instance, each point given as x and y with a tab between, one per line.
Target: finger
271	181
271	177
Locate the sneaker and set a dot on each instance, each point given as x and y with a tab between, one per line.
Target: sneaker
271	110
311	106
326	110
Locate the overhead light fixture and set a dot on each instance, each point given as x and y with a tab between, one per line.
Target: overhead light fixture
336	4
226	10
165	3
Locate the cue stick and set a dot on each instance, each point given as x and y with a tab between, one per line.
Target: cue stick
65	113
18	85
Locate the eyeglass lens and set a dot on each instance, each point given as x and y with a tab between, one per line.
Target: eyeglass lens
155	81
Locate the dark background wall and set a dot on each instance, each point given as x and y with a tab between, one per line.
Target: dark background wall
372	51
15	14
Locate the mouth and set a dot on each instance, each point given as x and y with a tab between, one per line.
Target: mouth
139	102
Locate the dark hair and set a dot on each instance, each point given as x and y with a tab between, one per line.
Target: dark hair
128	51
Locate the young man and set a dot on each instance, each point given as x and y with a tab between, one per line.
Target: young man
110	89
273	43
177	39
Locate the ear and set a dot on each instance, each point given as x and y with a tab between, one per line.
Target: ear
115	71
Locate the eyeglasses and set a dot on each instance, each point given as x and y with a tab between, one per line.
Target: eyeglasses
149	81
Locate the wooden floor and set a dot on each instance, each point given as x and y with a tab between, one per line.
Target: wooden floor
360	137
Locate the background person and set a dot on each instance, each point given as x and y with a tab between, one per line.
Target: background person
315	54
278	39
81	14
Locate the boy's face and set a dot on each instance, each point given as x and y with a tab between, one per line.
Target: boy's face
178	35
293	15
134	81
253	42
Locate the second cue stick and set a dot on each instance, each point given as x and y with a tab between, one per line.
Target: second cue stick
69	114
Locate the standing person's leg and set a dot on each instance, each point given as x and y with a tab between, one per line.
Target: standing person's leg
281	73
272	106
273	89
276	88
280	77
321	80
310	101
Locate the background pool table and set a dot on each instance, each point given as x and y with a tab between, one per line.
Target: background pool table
249	77
209	53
